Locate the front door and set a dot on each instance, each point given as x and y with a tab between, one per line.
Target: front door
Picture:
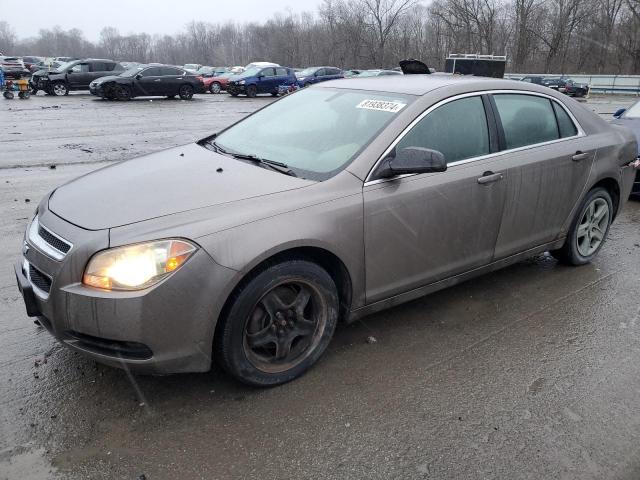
423	228
150	82
80	75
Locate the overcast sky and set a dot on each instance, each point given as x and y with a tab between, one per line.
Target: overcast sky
159	16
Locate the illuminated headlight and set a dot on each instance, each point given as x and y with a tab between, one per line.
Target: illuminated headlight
136	267
241	82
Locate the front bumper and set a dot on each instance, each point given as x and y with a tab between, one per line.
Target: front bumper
236	89
167	328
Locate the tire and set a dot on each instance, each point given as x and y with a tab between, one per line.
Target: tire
59	89
233	94
122	92
252	91
186	92
170	97
8	95
215	87
264	339
34	91
274	94
589	229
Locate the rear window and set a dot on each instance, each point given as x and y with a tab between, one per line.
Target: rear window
566	126
526	119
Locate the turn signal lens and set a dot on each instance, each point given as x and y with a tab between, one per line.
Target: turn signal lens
135	267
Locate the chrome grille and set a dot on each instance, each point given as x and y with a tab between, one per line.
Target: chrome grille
53	240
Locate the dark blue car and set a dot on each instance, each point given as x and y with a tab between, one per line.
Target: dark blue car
257	80
630	118
312	75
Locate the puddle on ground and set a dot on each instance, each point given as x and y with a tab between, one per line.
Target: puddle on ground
24	463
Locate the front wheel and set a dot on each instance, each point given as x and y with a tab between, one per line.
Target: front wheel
8	95
279	324
122	92
252	91
215	87
588	230
186	92
59	89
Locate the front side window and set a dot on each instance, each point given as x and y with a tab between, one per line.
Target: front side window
268	72
308	130
526	119
80	68
152	72
457	129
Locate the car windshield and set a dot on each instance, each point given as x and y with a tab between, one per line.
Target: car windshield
65	66
633	111
251	72
306	72
132	72
369	73
306	129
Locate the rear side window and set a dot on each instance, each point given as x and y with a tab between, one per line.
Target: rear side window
99	67
171	71
458	129
281	72
565	125
526	119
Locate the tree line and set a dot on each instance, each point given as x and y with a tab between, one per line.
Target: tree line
541	36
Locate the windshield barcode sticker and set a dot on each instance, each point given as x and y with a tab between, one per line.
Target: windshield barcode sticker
381	105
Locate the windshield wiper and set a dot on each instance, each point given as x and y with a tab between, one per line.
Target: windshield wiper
272	164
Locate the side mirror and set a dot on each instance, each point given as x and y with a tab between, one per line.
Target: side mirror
413	160
619	112
138	76
70	71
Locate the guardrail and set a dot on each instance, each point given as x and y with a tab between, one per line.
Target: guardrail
610	84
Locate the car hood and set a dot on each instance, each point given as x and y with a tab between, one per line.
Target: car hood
172	181
106	79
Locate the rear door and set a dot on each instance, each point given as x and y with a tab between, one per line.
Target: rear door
420	229
100	69
282	77
171	80
549	160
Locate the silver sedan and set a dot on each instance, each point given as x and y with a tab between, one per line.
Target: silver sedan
342	199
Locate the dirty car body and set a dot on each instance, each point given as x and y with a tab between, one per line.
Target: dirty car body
351	218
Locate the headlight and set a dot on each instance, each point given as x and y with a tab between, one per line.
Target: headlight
135	267
241	82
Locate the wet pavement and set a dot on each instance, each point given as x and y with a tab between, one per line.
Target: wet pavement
529	372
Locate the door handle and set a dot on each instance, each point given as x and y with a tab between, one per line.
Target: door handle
157	80
579	156
490	177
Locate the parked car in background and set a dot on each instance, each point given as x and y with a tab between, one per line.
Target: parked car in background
312	75
237	69
567	86
65	59
75	75
31	61
191	67
256	80
533	79
249	247
217	83
630	118
351	73
260	65
378	73
148	81
13	67
206	72
128	65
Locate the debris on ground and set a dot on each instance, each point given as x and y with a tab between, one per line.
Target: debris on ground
371	339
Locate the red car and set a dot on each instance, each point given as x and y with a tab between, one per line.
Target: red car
217	84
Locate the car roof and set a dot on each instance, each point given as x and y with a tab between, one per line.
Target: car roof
423	84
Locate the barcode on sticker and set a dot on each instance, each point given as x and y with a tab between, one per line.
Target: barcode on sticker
381	105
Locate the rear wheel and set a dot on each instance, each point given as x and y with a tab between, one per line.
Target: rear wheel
279	324
588	230
60	89
215	87
8	95
252	91
186	92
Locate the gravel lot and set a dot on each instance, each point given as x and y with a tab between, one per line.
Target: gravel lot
530	372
